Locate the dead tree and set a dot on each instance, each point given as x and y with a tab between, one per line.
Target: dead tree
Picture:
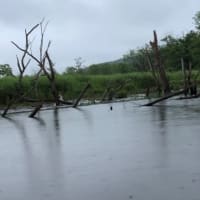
43	60
22	65
153	70
159	66
184	76
188	86
190	83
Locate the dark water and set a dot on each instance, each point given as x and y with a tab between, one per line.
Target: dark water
92	153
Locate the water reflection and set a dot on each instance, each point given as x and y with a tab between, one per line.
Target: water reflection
87	116
22	132
28	151
40	120
56	122
48	158
160	135
42	157
162	117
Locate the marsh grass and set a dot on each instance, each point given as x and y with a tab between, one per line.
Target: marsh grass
70	85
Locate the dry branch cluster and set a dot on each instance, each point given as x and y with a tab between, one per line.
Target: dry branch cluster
45	64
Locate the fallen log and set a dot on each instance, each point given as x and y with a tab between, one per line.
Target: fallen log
81	95
165	98
10	104
189	97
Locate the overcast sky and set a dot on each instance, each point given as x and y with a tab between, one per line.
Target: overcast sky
96	30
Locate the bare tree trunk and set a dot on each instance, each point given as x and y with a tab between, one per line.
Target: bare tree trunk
154	72
51	78
55	93
159	66
7	108
185	77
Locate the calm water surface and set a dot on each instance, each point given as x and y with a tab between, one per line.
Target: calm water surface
92	153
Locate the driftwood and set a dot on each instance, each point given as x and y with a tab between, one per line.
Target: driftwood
189	97
165	98
81	95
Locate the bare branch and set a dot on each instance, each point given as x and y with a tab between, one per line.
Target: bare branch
32	29
26	65
51	66
18	65
42	32
30	54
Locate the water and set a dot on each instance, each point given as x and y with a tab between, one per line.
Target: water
93	153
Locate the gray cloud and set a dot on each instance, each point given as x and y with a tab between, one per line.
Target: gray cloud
98	31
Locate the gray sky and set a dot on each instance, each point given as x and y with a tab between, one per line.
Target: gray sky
96	30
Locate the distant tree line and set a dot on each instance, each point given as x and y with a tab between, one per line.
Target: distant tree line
172	50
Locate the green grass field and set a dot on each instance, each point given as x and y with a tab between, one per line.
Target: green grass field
71	85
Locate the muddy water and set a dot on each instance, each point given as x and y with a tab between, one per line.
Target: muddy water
93	153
